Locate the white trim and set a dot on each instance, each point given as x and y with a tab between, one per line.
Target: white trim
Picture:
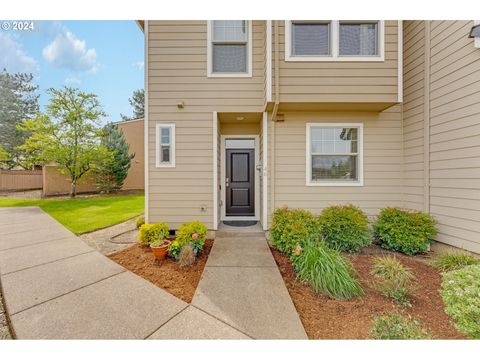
265	171
159	126
145	126
334	45
400	61
269	60
308	158
215	170
257	178
210	73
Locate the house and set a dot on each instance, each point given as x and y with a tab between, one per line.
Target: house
133	131
247	116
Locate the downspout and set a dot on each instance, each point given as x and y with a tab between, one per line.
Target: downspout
426	121
274	116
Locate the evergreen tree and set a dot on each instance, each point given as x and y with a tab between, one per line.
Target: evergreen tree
138	103
113	171
18	102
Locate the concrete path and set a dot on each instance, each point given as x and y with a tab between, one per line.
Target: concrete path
57	287
242	286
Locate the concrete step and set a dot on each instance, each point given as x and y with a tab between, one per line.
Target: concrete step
229	233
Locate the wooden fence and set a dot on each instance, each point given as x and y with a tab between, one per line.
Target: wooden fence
16	180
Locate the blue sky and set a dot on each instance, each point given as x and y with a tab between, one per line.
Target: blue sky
102	57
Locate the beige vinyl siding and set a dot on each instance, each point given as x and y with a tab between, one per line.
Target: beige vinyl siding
455	134
383	162
334	81
177	65
413	113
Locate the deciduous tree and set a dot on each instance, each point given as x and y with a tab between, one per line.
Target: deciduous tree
68	133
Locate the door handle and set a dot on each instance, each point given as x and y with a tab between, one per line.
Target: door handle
227	182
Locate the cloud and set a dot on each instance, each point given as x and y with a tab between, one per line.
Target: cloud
13	57
140	65
67	51
72	80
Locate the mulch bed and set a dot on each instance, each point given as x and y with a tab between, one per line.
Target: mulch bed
325	318
167	274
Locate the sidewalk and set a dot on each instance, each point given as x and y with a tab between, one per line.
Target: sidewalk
242	286
57	287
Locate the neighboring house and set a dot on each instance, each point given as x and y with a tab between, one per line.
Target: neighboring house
133	131
243	117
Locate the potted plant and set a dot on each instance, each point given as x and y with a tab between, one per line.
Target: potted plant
159	248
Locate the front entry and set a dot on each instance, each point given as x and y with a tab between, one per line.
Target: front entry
240	182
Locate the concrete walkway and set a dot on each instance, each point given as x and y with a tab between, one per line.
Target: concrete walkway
242	286
57	287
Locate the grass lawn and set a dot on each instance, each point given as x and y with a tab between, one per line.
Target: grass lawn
83	215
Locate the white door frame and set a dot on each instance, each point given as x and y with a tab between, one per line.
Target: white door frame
257	178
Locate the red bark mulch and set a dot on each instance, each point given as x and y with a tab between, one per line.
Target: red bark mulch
167	274
325	318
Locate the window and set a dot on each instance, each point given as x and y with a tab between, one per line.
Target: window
334	154
334	40
165	149
358	39
310	38
229	48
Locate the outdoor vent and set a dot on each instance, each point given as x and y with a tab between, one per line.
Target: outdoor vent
475	34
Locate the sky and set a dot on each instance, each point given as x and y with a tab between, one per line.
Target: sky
102	57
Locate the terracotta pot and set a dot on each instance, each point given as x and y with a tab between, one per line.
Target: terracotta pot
160	252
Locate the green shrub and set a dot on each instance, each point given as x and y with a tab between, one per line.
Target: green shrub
292	227
140	221
461	295
409	232
326	270
393	279
454	261
345	228
397	327
193	233
151	232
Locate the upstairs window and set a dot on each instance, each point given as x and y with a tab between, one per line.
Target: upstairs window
165	149
310	38
334	40
229	48
358	39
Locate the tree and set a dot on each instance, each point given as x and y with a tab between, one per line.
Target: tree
112	172
18	102
4	158
137	101
68	133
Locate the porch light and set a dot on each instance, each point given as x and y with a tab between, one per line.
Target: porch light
475	32
240	118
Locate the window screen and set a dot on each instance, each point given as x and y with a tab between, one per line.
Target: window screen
358	39
229	46
229	58
310	39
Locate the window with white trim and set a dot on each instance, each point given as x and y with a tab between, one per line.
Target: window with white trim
229	48
334	40
334	154
165	145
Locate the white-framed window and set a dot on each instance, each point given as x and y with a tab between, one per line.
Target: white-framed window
165	145
334	40
334	154
229	48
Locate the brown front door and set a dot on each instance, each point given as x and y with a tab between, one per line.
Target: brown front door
240	182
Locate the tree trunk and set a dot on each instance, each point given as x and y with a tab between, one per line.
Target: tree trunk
73	189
